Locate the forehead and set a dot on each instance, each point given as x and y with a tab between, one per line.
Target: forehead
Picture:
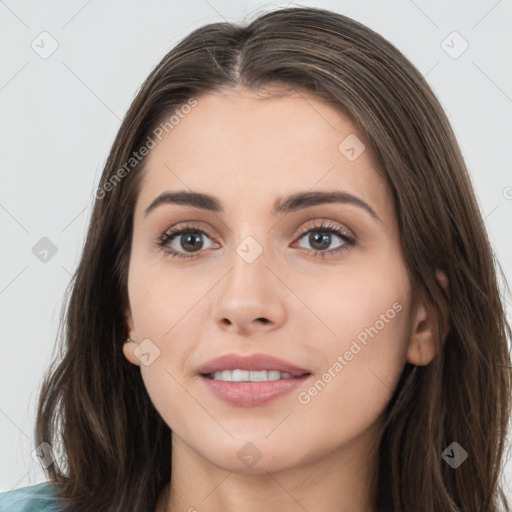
247	147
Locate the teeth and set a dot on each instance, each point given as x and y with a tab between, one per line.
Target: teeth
250	376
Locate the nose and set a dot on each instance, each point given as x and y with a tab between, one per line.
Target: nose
250	297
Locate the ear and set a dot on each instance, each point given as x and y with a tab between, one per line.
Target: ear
128	348
423	341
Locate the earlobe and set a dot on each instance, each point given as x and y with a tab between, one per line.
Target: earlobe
128	349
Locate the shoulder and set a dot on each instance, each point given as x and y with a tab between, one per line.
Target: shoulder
34	498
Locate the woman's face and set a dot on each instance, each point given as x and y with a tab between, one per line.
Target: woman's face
248	282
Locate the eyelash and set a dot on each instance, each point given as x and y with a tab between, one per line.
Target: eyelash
325	227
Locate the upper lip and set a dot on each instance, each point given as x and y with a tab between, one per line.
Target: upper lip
254	362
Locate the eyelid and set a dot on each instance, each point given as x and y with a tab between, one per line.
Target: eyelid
324	223
196	225
305	227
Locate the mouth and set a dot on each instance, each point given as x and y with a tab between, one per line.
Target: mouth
249	381
239	375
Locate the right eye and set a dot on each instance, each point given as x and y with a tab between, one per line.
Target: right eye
187	237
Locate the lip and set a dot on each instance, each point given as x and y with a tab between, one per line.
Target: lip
253	362
250	394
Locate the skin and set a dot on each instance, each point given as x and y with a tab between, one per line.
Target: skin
248	151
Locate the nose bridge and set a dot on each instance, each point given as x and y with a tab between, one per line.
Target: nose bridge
248	263
251	241
249	290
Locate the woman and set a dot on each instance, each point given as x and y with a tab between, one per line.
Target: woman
287	299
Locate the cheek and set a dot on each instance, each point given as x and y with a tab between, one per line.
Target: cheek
167	309
164	299
350	393
361	347
365	359
362	305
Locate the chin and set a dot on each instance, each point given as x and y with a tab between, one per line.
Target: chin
250	457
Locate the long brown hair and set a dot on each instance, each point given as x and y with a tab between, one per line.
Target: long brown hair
93	406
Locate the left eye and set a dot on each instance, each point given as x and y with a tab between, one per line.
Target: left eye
321	238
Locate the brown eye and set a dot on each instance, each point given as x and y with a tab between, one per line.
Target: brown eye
320	238
182	243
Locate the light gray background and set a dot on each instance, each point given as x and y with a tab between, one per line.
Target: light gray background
60	115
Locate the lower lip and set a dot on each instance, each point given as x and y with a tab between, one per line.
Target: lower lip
251	394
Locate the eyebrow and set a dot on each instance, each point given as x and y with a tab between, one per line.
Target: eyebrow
292	203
